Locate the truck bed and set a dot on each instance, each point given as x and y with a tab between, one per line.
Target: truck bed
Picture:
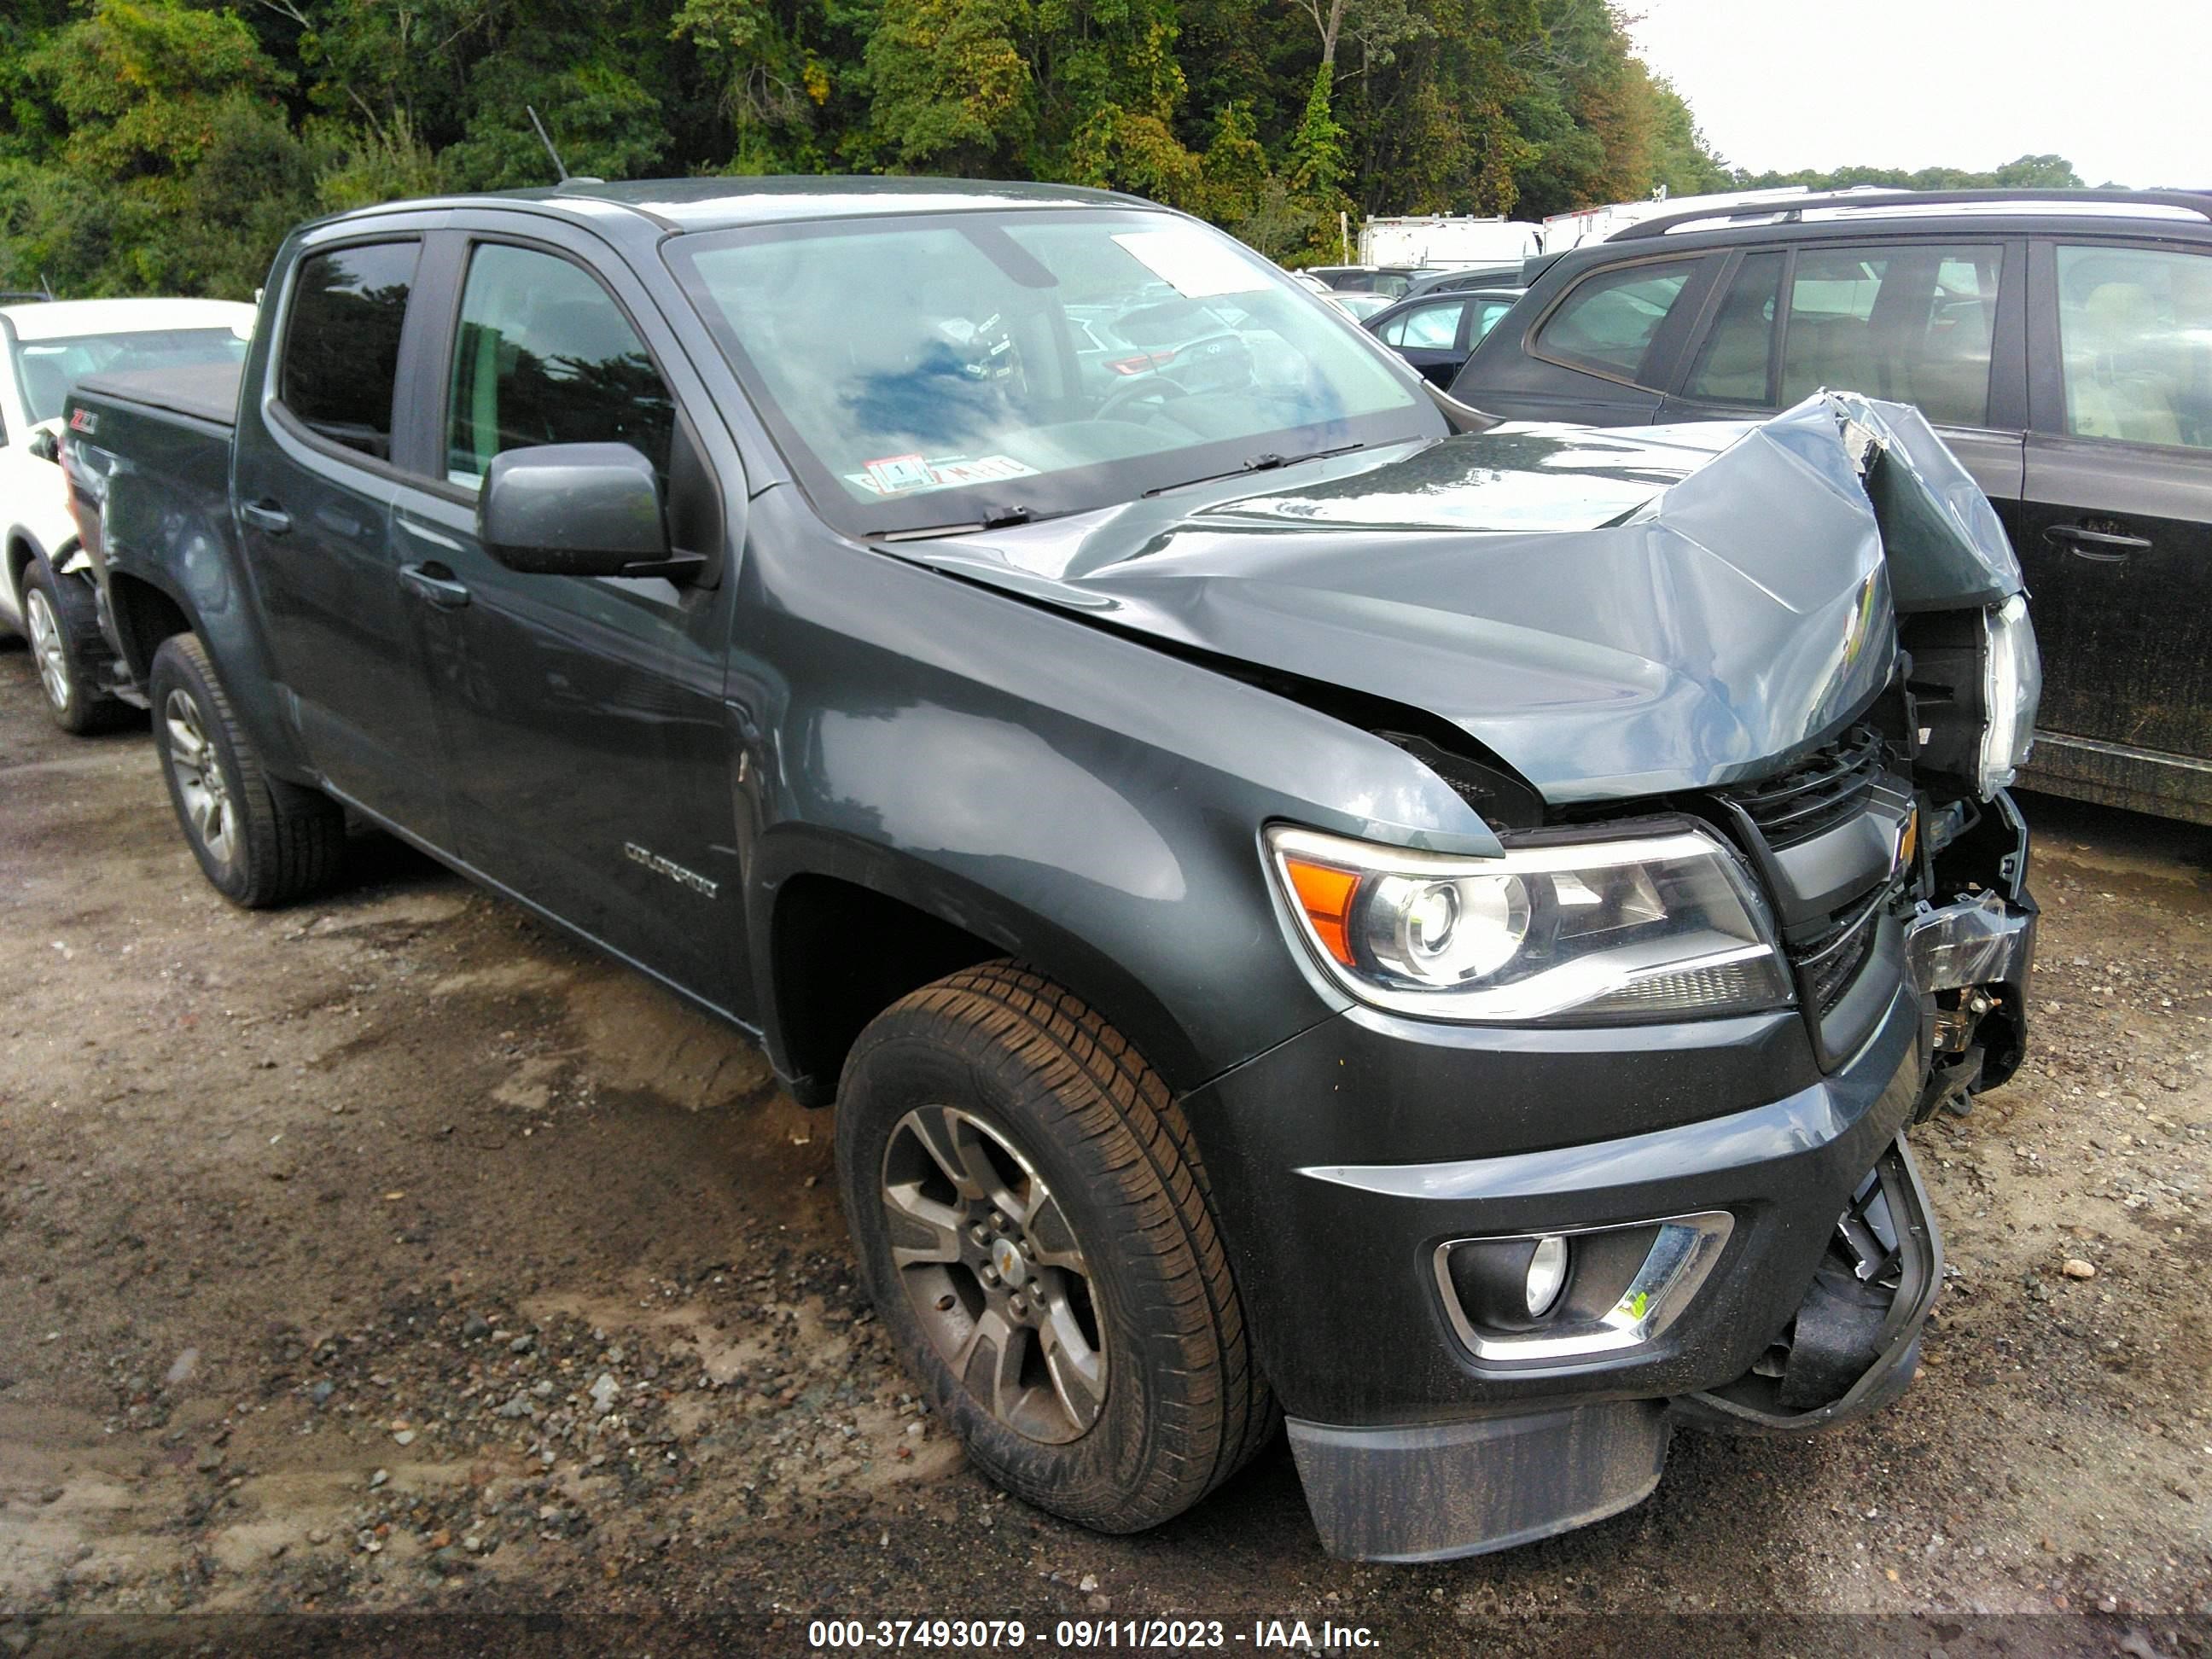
206	392
163	517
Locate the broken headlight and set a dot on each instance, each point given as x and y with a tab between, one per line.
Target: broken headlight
1659	926
2012	685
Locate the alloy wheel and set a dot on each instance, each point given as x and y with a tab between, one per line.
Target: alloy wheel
49	646
995	1273
200	781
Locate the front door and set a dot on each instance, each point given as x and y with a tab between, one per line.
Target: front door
2116	526
314	486
591	762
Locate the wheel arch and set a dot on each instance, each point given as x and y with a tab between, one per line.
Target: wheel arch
915	922
145	610
144	614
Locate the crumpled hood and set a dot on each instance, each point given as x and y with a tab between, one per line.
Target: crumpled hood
1613	612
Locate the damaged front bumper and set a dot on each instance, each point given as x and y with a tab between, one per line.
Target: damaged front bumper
1772	1267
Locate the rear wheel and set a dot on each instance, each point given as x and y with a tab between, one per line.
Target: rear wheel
260	839
61	623
1032	1220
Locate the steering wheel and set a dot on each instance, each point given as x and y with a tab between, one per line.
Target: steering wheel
1156	387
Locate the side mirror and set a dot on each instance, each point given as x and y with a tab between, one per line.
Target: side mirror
578	510
45	443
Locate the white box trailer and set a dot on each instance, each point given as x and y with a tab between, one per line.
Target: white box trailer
1448	240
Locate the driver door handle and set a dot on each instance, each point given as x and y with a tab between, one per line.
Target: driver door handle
435	583
2103	546
265	515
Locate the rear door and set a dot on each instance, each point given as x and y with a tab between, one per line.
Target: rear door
2117	520
313	480
584	715
1598	351
1431	336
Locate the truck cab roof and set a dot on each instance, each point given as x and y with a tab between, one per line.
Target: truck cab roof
696	204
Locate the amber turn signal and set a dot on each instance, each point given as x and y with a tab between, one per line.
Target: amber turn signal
1325	894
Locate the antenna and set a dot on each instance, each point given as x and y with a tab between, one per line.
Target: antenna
543	139
46	284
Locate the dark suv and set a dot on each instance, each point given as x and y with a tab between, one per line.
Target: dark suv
2063	345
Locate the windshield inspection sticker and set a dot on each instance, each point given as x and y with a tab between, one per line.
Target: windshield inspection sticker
897	475
1194	263
895	472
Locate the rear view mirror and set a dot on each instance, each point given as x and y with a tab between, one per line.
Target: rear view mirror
578	510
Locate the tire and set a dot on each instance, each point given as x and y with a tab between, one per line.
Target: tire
260	840
61	620
1083	1175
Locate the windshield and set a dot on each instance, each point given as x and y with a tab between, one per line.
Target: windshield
46	369
936	371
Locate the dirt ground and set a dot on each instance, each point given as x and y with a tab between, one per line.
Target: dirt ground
391	1255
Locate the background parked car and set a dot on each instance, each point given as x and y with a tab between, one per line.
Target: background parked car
2061	344
45	587
1359	303
1470	276
1435	331
1389	281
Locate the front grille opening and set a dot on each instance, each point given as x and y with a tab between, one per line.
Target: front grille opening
1819	792
1831	963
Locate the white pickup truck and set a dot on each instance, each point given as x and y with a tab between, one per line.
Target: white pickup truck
46	592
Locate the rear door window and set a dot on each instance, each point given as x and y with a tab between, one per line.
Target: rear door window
2135	336
340	356
1608	320
1426	328
1732	366
1912	322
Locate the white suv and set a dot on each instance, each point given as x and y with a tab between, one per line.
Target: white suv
45	587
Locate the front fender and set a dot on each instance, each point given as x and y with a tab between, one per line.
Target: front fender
1075	796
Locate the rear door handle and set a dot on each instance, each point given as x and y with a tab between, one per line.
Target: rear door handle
266	516
2104	546
435	583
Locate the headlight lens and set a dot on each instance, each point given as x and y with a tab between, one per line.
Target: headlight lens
1661	926
2012	685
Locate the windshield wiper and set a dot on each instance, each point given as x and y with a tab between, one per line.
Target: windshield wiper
1263	463
996	517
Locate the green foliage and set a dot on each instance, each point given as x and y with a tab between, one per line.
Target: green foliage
166	145
2027	172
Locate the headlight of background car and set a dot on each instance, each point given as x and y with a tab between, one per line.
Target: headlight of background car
2012	685
1661	926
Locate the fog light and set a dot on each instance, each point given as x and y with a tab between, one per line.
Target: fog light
1547	1275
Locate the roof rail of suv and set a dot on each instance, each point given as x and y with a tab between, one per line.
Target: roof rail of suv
2117	203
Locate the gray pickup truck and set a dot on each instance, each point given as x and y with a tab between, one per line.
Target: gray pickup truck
1309	904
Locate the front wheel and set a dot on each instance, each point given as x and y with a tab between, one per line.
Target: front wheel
1031	1219
61	621
260	839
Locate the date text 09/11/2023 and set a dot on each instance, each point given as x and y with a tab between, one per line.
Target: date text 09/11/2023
1090	1635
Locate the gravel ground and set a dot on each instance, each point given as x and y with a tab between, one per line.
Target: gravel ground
393	1255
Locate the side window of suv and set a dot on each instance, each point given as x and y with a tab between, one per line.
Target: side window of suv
1910	321
1608	319
1427	328
2135	336
544	356
341	349
1732	364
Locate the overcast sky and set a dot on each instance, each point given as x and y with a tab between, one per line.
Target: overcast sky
2122	88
